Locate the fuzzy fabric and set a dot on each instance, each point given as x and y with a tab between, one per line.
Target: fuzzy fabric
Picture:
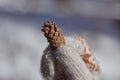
65	62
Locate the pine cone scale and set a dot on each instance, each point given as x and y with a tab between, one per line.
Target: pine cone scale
53	34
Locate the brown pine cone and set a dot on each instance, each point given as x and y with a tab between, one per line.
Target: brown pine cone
53	34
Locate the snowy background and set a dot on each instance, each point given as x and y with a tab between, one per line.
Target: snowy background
22	42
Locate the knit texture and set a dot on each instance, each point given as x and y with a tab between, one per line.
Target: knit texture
65	63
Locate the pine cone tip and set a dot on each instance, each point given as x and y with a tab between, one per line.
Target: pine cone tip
53	34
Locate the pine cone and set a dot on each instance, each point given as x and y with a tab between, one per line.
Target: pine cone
53	34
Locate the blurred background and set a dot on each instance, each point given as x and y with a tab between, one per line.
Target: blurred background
22	42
